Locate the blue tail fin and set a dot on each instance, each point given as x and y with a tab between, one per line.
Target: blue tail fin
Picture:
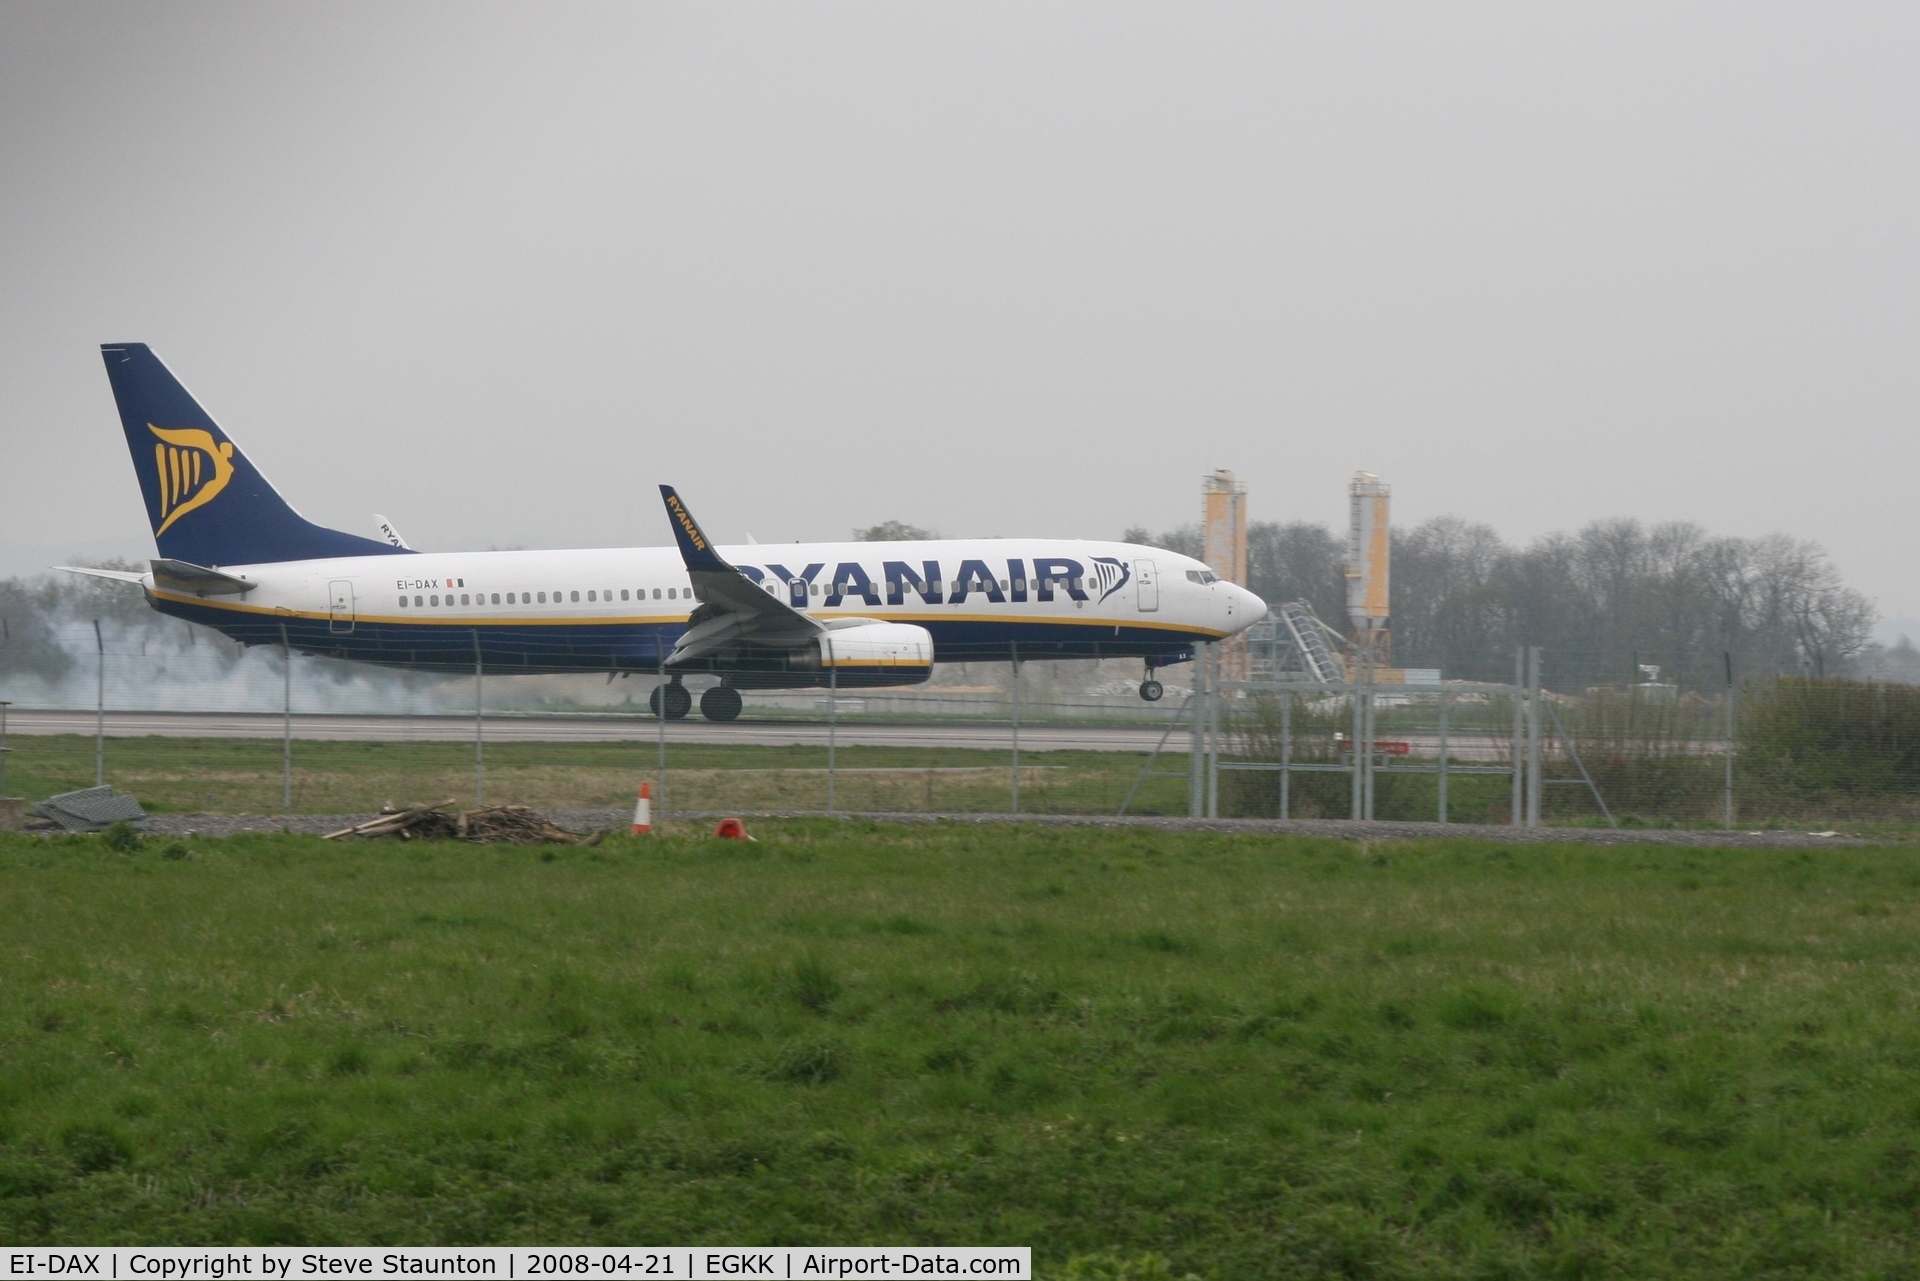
207	504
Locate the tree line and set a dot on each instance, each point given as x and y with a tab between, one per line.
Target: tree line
1601	602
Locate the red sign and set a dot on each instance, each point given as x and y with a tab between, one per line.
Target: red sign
1382	747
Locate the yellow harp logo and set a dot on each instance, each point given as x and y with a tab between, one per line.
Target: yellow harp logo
186	481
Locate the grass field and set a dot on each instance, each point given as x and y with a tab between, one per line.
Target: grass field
1250	1057
226	775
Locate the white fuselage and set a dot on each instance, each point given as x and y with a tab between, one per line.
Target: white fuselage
620	608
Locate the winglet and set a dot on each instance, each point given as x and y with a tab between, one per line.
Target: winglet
695	548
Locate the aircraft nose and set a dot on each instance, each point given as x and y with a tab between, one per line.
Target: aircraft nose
1248	609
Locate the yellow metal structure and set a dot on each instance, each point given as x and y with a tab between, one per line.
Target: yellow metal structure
1224	548
1225	526
1369	551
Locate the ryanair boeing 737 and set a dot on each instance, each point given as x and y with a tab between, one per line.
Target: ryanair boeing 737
234	556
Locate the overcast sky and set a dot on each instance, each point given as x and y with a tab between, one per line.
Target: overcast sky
496	271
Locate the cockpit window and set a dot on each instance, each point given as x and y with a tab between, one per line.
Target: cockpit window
1202	576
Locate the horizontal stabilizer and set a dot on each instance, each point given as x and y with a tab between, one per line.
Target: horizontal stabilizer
117	575
179	576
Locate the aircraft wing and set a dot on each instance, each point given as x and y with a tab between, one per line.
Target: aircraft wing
734	610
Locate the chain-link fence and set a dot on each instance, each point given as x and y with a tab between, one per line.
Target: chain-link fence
196	722
1781	750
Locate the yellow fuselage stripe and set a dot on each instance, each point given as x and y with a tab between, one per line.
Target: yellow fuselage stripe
472	620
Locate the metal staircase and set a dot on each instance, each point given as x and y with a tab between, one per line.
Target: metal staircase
1309	636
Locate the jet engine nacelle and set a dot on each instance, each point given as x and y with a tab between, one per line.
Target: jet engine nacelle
876	654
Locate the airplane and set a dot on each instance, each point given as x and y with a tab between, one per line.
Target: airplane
234	556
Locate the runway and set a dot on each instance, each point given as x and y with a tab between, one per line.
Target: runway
509	728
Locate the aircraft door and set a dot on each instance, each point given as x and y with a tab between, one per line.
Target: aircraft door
1149	585
340	606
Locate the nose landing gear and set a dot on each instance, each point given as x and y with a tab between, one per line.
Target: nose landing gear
1150	689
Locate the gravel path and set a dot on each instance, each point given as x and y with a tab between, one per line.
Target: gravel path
1338	829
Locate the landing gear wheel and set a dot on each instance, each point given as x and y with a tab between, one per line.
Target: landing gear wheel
1151	690
721	703
679	701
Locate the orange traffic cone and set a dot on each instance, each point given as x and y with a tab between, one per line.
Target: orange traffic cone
643	811
732	829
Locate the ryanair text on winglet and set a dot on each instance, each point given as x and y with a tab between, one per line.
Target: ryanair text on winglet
686	522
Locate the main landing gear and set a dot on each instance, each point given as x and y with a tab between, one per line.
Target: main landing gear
721	703
679	701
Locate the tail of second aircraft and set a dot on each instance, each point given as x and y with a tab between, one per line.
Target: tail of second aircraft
207	503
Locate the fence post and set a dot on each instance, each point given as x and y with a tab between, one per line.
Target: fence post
1286	751
4	705
1216	664
1728	656
1195	753
1515	755
286	721
1370	728
1443	756
479	751
1013	647
833	717
660	715
1534	780
99	707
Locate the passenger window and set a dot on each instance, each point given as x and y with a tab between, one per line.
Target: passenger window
436	600
496	598
591	596
623	593
816	589
416	600
656	593
576	595
1003	584
463	599
543	598
403	602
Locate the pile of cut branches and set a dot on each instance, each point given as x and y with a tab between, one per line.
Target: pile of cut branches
495	824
